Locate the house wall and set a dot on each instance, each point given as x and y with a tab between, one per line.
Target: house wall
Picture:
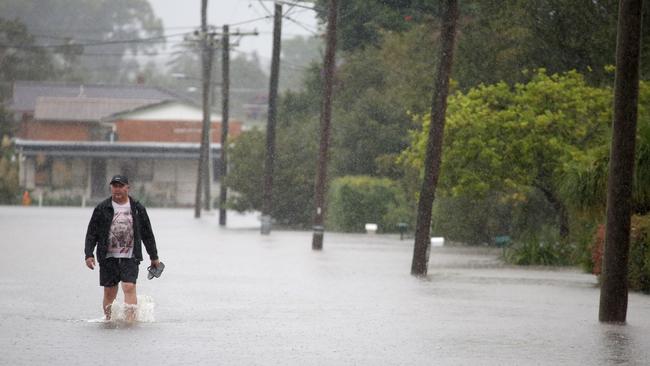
54	178
57	131
175	181
26	171
159	182
169	131
172	183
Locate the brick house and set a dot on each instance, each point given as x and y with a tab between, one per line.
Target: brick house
71	138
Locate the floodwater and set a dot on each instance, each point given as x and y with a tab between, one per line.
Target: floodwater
234	297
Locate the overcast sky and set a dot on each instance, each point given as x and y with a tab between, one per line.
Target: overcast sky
185	15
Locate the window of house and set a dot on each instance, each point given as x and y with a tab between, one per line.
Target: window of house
129	168
61	173
42	172
140	170
145	170
79	173
216	170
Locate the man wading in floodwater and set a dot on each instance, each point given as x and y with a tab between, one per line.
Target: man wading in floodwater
117	227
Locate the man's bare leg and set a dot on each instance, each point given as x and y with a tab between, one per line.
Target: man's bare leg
130	299
110	293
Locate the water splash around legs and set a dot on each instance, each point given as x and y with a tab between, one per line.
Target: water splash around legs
143	312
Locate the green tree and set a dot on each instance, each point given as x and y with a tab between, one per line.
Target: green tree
298	54
500	38
9	188
20	58
584	181
378	89
246	155
294	172
362	22
97	25
516	141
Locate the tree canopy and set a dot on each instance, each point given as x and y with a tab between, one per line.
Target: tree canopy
513	141
104	24
498	39
20	58
585	177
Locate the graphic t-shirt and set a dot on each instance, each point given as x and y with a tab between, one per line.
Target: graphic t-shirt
120	237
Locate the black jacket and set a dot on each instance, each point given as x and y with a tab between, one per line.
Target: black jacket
100	225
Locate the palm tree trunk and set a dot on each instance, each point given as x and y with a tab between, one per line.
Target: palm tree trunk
433	155
613	293
560	211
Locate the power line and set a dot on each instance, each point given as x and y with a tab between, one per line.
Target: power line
286	13
117	54
265	8
301	25
294	4
156	39
94	40
249	21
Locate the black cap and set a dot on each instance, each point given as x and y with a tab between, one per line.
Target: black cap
119	179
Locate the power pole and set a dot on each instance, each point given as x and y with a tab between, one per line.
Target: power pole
208	176
207	167
433	155
325	121
614	289
204	150
225	91
270	127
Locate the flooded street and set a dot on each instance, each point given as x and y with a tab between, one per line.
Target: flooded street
234	297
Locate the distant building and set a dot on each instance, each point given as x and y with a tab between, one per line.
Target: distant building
71	138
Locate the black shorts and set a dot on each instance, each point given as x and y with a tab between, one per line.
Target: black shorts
114	270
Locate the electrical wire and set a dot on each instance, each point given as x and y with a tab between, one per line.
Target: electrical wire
303	26
69	38
249	21
265	8
99	43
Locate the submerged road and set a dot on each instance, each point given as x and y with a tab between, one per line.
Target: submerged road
233	297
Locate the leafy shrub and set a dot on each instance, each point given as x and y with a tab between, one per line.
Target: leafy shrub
293	176
9	188
478	220
639	257
357	200
597	247
583	227
539	249
62	200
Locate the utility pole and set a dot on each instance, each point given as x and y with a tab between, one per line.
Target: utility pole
433	155
325	121
204	150
270	127
207	167
614	289
225	90
207	184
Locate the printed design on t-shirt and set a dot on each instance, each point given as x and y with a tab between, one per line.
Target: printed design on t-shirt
121	234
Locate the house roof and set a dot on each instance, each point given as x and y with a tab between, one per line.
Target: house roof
107	149
164	111
26	93
84	109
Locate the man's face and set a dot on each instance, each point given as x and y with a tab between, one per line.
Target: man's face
120	192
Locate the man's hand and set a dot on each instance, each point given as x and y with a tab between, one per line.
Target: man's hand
155	262
90	262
